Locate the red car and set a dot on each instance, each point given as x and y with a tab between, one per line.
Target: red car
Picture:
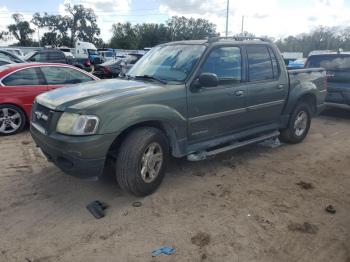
21	83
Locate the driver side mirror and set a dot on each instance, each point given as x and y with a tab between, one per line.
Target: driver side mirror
208	80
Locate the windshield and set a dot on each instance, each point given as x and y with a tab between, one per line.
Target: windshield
27	56
92	52
168	62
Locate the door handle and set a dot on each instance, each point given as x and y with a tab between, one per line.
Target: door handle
280	86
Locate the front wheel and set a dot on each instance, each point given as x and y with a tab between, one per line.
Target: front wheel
142	160
298	126
12	120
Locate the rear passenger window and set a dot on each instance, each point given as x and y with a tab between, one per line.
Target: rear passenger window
63	75
25	77
226	63
260	64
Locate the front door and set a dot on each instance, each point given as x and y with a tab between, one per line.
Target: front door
21	87
220	110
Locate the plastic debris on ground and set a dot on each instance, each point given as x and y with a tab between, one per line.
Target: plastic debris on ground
97	208
163	250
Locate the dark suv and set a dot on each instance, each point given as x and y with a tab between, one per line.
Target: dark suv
56	56
338	74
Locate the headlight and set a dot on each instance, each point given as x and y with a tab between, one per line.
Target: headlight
75	124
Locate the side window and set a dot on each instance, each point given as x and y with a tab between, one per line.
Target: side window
63	76
226	63
25	77
56	56
260	65
275	65
76	76
39	57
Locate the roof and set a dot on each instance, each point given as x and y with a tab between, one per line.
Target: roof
246	40
13	67
330	54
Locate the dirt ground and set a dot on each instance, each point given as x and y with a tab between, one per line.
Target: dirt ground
240	206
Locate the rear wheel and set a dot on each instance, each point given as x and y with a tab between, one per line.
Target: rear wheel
142	160
12	120
298	126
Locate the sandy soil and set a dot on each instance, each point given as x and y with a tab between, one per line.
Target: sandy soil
239	206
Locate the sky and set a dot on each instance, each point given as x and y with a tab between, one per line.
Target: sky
274	18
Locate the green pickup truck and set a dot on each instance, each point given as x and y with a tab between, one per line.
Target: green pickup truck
189	99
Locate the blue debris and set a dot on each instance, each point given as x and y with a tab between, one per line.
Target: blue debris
163	250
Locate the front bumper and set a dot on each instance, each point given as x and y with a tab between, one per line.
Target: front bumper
82	157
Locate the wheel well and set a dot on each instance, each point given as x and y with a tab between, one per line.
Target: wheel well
310	99
113	150
20	108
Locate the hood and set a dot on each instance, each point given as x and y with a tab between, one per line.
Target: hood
91	93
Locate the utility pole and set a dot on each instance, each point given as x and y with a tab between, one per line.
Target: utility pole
227	11
38	37
242	28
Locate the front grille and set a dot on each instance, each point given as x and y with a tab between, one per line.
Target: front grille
42	116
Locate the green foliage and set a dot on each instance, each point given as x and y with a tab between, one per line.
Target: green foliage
322	38
81	23
139	36
21	30
182	28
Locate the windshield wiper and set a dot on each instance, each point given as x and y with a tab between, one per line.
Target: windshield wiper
152	78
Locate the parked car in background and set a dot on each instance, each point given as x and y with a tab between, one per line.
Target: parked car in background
129	61
67	52
5	62
190	98
21	83
15	51
107	53
338	74
9	56
56	56
109	69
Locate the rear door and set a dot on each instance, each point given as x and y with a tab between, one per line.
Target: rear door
22	87
267	86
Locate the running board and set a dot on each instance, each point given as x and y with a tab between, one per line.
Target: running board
205	154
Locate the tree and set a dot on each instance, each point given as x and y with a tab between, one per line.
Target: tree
4	35
57	26
150	35
139	36
21	30
80	23
182	28
124	36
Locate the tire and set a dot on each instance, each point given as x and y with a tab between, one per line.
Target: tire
298	126
138	168
12	120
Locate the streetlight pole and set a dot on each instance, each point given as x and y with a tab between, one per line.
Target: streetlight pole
227	11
